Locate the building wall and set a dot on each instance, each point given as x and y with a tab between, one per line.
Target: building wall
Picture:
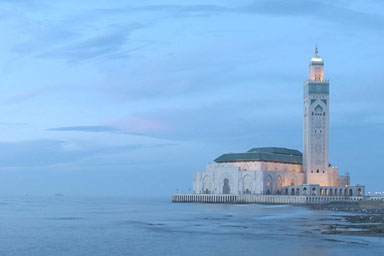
343	181
239	178
274	181
220	175
213	179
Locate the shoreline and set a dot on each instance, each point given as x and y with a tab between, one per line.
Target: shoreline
369	220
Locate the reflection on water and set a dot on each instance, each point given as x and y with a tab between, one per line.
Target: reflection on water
122	226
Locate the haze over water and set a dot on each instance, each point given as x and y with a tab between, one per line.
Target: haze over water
62	226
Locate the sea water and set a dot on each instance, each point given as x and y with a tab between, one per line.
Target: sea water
91	226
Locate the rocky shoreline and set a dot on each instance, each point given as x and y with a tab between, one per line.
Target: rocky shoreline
369	221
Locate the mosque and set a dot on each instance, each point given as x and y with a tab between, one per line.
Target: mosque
283	171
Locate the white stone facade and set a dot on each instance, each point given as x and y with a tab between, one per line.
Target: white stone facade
232	178
252	178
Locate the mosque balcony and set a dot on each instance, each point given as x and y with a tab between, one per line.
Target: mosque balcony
317	81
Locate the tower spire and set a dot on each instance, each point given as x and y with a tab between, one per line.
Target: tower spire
316	51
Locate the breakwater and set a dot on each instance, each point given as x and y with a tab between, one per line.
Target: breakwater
261	199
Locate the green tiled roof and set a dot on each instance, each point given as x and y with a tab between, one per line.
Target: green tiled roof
276	150
269	154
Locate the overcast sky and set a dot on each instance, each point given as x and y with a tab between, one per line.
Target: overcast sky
102	97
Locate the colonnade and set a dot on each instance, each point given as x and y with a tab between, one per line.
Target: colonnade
259	199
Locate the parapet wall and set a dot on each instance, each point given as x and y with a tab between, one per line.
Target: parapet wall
260	199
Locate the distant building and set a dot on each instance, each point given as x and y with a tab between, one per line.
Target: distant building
273	170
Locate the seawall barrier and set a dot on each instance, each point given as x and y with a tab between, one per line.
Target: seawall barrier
260	199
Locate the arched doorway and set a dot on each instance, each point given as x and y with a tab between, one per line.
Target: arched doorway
359	192
207	185
304	191
247	184
268	185
278	184
226	187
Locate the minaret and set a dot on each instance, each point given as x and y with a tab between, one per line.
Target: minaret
316	124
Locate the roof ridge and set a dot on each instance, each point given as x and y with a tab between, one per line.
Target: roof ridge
260	156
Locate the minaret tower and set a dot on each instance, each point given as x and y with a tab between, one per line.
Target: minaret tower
316	124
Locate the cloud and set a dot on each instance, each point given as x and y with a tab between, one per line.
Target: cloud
152	129
285	8
109	43
230	121
25	96
128	125
338	11
327	11
168	10
140	125
36	153
69	37
86	128
44	152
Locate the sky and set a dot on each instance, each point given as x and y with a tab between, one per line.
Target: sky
106	97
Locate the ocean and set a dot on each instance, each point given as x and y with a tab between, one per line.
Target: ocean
95	226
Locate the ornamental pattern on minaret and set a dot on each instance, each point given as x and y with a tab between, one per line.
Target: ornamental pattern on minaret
316	124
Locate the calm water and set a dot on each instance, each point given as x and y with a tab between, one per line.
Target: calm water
57	226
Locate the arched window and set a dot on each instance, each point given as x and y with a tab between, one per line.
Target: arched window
359	192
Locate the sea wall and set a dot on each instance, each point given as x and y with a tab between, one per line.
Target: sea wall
260	199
